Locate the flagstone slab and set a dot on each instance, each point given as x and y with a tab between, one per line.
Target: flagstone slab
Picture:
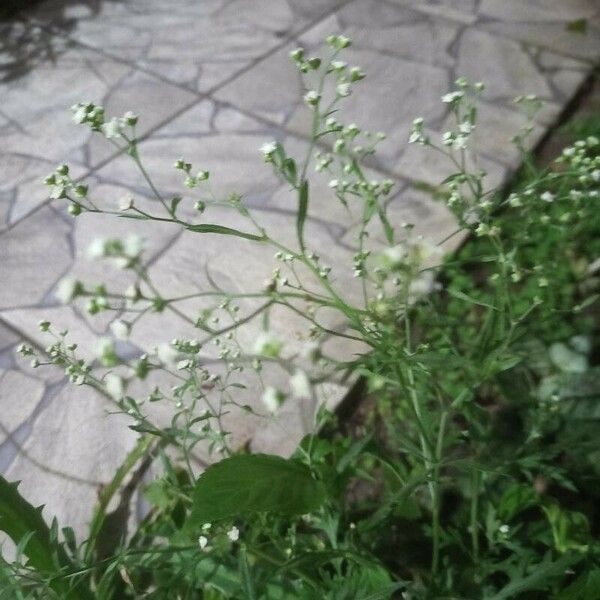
570	27
73	447
196	44
37	133
411	59
57	439
32	258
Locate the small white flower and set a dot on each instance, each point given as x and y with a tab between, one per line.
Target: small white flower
596	175
104	347
482	229
311	351
272	399
312	98
120	329
465	127
268	148
132	293
126	202
452	97
415	137
167	354
79	113
112	128
24	350
130	118
202	542
133	245
234	534
421	286
66	290
460	142
504	529
547	197
114	386
267	345
393	257
515	201
183	364
343	90
297	54
300	385
423	250
97	249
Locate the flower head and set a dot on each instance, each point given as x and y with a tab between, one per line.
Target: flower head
300	385
234	534
114	386
267	345
67	289
272	399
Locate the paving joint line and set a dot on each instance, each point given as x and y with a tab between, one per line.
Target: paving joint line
200	96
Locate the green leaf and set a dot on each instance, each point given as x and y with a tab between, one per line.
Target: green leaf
245	575
570	529
387	227
302	212
251	483
175	203
539	579
220	229
462	296
585	587
18	518
577	26
516	498
109	491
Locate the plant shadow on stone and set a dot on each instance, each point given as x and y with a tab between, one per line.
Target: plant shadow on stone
25	44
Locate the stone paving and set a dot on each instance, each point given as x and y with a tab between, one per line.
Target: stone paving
212	82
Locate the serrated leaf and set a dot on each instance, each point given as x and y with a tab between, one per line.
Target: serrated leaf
570	529
19	518
539	579
250	483
222	230
516	498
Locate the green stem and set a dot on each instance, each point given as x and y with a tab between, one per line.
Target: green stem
436	499
474	526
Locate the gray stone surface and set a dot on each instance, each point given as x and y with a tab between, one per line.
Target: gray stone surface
212	82
196	44
38	132
411	58
571	27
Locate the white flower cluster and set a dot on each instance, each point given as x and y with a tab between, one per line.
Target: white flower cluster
191	181
124	253
232	534
62	186
88	113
